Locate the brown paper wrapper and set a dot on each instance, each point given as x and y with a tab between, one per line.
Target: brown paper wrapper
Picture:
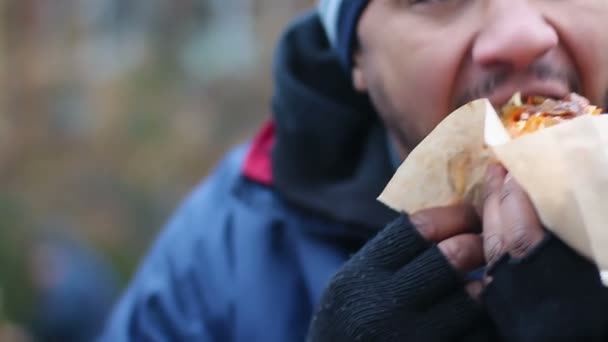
563	168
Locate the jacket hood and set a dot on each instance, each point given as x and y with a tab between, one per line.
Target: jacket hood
331	154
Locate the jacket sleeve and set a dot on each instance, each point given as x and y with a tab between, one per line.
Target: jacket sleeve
177	293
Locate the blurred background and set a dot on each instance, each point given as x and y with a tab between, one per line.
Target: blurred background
111	111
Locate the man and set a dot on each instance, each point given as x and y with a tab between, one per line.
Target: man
274	237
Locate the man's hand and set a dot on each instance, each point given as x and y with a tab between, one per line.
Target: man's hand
455	230
407	284
538	289
510	223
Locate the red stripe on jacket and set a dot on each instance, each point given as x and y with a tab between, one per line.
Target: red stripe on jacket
258	162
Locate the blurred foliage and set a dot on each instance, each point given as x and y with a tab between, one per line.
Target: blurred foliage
112	110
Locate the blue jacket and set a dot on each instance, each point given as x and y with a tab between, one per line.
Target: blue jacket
249	252
236	263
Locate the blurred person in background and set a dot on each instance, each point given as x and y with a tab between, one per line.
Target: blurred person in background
284	241
13	333
74	288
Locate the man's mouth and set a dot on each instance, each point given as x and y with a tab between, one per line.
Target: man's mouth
550	89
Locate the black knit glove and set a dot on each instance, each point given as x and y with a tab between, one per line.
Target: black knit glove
553	294
398	287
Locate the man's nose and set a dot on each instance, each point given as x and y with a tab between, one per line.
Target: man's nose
514	33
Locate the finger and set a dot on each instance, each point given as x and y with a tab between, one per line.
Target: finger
522	227
493	238
438	224
474	289
487	280
463	252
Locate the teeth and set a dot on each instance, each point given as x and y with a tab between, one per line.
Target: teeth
516	99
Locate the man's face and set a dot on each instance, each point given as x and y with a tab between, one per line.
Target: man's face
421	59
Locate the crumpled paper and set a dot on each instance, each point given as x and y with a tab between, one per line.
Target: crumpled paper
563	168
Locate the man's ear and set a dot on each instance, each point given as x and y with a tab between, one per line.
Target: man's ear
358	76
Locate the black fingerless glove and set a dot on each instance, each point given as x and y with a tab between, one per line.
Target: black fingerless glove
398	287
553	294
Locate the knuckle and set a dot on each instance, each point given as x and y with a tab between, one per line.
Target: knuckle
491	187
494	248
510	190
487	193
521	240
454	251
506	193
425	225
